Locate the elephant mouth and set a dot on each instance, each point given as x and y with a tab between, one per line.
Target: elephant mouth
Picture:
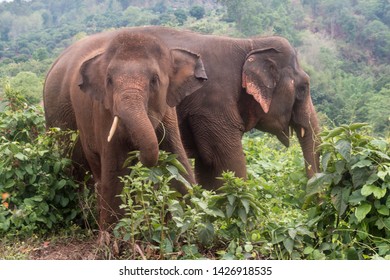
285	134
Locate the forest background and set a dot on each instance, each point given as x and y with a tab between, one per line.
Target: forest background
341	213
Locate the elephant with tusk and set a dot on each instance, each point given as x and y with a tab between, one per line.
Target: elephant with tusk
253	83
120	89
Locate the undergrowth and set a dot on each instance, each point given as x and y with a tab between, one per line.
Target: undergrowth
38	193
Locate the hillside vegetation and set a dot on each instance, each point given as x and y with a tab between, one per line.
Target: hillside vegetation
341	213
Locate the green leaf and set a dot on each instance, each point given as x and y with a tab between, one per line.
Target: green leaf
246	205
178	165
340	196
352	254
383	173
325	160
371	189
383	210
344	148
229	210
214	212
367	190
362	211
334	132
362	163
57	167
359	176
206	233
29	169
248	247
356	197
127	236
379	144
20	173
388	202
231	198
278	235
340	167
356	126
384	248
64	201
308	250
304	231
380	224
21	156
61	184
387	222
292	232
288	244
242	215
318	183
173	170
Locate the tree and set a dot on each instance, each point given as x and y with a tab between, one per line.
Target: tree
377	37
261	17
180	15
29	85
40	54
197	12
378	111
6	20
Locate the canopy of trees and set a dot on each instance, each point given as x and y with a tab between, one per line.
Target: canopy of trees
343	45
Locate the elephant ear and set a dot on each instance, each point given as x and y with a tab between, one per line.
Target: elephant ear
188	75
91	79
260	75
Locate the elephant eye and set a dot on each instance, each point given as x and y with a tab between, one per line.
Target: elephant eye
154	82
109	80
301	91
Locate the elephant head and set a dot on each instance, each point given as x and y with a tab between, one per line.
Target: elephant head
273	76
134	79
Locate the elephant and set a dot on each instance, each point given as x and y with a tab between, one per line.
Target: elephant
252	83
120	89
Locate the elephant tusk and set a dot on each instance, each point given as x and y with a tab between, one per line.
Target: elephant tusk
302	132
113	128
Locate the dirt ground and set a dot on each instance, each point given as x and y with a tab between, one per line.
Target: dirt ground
66	250
55	248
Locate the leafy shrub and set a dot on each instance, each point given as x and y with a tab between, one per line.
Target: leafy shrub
181	227
350	214
37	192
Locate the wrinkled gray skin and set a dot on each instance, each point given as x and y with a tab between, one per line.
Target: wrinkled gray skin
252	83
129	75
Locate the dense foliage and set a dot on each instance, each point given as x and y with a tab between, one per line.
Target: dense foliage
351	195
38	194
342	213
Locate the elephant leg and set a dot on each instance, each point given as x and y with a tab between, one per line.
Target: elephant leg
217	149
109	189
170	137
80	163
209	169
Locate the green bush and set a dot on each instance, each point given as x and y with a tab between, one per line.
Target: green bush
349	200
177	227
38	194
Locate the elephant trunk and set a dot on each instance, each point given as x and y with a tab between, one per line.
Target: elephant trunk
131	111
307	129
